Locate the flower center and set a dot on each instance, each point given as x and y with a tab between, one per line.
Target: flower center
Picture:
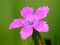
30	21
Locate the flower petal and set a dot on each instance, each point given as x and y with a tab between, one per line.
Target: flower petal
26	32
27	11
16	23
41	26
41	12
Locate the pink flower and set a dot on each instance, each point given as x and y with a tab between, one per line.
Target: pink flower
31	20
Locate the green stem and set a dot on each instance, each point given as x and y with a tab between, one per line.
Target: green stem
36	37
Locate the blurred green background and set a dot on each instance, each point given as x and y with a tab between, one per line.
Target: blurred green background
9	10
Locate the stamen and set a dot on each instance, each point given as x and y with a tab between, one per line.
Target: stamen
30	22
